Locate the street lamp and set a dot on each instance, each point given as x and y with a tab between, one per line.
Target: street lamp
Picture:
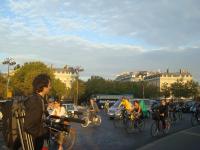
77	70
9	62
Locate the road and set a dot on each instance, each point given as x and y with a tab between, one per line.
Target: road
106	136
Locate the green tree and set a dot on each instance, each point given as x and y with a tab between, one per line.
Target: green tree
23	77
81	90
58	88
191	89
178	89
2	86
165	90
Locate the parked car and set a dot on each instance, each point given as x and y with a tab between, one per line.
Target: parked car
187	106
115	110
71	110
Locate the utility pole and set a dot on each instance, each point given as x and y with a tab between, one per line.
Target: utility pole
77	70
9	62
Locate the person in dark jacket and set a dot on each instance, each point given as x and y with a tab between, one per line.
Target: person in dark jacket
35	110
163	113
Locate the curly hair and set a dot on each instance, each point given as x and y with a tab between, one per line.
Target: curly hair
40	81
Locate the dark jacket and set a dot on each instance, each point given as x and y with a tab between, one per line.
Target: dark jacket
33	122
163	109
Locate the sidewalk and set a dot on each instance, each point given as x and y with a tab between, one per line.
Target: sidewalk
184	140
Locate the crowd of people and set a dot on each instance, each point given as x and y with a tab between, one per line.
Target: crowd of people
37	108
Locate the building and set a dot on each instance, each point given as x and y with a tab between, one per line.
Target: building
161	78
67	75
133	76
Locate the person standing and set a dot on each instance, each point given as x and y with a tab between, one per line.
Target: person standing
35	110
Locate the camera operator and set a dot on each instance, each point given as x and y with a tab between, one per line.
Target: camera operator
35	110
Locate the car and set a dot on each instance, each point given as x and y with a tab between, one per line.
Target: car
71	109
187	106
114	109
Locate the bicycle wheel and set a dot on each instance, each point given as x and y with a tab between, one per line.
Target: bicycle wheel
180	115
118	122
86	119
70	139
168	126
98	122
194	120
141	125
154	129
129	126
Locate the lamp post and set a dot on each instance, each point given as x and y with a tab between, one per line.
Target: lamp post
77	70
9	62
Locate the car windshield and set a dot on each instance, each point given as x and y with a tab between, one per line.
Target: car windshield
70	107
116	104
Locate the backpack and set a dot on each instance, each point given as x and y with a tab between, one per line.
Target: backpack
10	127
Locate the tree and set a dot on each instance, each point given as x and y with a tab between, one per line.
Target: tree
165	90
2	86
178	89
58	88
191	89
23	77
81	90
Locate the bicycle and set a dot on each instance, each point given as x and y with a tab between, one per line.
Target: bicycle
134	122
195	119
158	129
120	119
95	120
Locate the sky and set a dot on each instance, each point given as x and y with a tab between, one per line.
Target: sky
105	37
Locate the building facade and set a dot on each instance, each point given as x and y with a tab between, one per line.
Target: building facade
167	78
67	75
133	76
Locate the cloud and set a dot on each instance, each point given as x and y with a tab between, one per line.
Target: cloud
158	34
158	22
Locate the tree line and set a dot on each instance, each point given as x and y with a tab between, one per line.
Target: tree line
21	84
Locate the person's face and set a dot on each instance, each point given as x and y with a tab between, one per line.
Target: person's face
48	88
163	103
57	104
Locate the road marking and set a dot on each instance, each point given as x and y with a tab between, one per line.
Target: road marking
191	133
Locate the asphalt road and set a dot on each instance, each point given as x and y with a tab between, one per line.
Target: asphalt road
106	136
188	139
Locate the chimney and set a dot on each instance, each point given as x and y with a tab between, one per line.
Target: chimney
167	70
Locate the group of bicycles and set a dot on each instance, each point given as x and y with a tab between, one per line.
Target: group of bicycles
129	121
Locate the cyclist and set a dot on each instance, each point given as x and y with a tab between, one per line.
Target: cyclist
106	105
163	114
137	109
197	112
172	110
93	108
126	104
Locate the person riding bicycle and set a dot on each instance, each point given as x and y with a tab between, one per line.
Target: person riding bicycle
106	105
137	109
126	104
93	108
172	110
197	112
163	114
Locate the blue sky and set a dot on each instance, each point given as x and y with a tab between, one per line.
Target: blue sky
106	37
